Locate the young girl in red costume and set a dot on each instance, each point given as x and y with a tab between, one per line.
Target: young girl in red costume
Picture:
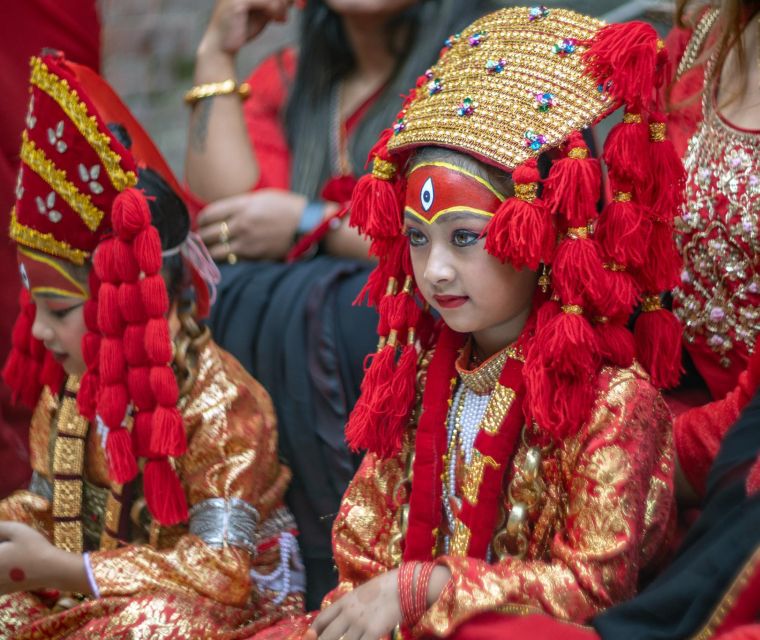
519	458
156	504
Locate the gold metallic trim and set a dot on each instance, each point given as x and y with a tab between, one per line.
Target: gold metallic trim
726	603
577	233
460	542
498	406
572	309
614	266
632	118
383	170
455	209
650	303
622	196
578	153
59	89
44	242
657	131
36	159
527	192
474	475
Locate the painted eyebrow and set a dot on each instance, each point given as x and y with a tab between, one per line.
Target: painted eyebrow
449	217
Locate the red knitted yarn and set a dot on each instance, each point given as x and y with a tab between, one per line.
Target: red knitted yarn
163	492
626	59
627	148
663	192
658	346
578	274
122	466
623	230
560	367
521	231
573	187
662	270
615	342
22	368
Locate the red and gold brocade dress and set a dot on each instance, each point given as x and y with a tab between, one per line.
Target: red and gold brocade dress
598	511
226	573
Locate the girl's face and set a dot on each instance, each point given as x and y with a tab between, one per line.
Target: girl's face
59	299
447	210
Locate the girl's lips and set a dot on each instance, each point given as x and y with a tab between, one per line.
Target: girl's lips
450	302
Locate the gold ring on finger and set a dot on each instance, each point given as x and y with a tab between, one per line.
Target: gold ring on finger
230	255
224	232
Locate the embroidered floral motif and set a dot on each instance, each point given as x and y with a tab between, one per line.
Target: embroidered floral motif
90	177
54	137
31	119
45	207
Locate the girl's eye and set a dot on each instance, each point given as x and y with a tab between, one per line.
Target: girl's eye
416	237
464	238
62	313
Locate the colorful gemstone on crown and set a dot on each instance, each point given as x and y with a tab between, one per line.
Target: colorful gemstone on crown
477	38
452	40
466	107
538	13
435	86
566	47
544	101
496	66
399	126
534	140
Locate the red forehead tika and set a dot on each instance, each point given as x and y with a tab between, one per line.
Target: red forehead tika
436	188
44	275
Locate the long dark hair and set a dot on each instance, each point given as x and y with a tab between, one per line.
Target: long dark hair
733	18
415	36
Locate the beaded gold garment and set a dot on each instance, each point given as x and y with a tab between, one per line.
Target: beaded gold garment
717	300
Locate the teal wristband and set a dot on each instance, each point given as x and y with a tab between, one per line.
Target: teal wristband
313	214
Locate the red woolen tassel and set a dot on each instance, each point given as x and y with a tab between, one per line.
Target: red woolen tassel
627	149
155	299
147	248
131	304
624	58
142	426
623	231
138	384
522	231
87	397
113	365
133	343
163	492
52	374
112	402
167	436
657	333
130	213
158	344
615	342
621	294
109	316
122	466
663	192
560	369
577	270
164	386
662	270
573	187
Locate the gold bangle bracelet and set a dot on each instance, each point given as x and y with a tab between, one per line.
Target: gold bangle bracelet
211	89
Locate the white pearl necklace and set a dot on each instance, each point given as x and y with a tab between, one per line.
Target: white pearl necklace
463	425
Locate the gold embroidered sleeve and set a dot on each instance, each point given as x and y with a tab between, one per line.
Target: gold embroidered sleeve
232	455
365	532
610	474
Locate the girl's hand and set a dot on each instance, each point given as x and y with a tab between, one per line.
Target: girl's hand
233	23
257	225
28	562
369	612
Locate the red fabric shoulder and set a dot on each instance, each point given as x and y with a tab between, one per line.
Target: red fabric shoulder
264	113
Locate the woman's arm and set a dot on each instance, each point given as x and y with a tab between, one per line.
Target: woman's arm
219	160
